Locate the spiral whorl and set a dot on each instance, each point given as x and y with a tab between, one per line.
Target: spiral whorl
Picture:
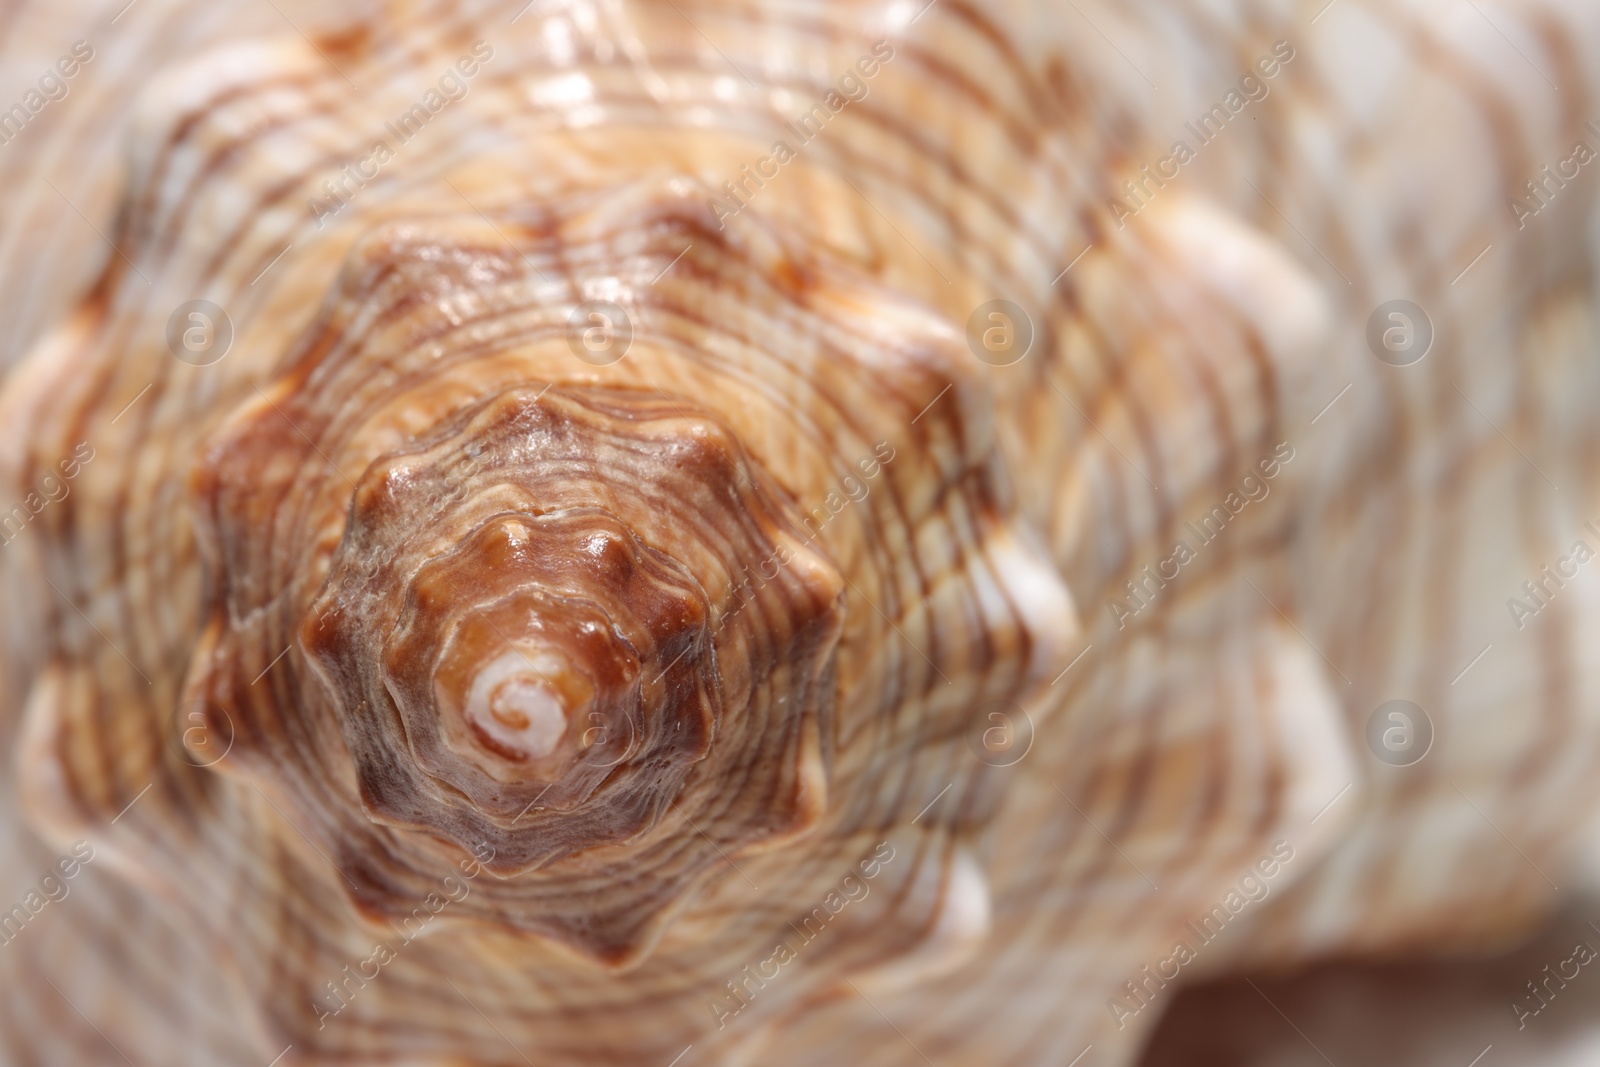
567	572
566	625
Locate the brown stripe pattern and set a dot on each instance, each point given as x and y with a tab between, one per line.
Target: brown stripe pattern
432	693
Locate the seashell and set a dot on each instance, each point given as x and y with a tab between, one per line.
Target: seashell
630	533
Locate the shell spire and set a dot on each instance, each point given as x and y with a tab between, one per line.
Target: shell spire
560	621
536	624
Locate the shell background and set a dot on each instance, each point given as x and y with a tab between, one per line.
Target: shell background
246	654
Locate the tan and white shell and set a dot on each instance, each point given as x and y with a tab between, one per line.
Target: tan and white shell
768	678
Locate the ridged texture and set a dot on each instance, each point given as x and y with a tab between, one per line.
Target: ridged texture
404	625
